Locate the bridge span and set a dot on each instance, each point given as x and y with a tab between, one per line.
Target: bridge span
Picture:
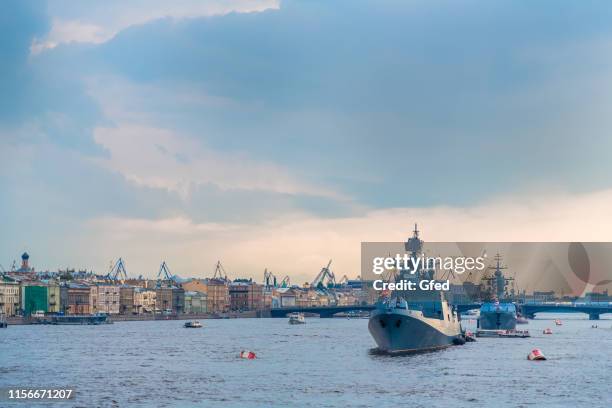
593	310
528	309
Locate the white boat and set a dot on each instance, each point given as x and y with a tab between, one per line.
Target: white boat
297	318
193	325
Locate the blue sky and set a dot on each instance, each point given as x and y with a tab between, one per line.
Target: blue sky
283	133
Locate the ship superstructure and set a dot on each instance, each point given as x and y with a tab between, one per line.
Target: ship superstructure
498	313
414	320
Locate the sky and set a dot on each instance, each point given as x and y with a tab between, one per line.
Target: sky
281	134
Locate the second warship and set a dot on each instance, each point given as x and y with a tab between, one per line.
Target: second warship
499	313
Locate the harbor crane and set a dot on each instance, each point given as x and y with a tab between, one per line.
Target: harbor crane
286	282
220	272
269	278
325	276
117	271
164	275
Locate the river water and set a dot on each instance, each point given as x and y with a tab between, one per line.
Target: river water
324	363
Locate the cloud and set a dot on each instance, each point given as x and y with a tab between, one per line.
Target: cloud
300	245
160	158
98	23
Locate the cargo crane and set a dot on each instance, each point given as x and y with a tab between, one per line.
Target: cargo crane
220	272
164	275
326	282
269	279
286	282
326	275
117	271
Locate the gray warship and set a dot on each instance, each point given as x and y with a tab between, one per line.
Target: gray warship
417	320
499	313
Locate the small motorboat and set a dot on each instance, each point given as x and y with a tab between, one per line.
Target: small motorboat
193	325
520	334
297	318
558	322
535	355
547	331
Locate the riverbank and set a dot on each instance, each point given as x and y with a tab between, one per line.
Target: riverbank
19	320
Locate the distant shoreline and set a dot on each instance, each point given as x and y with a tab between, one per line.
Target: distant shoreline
19	320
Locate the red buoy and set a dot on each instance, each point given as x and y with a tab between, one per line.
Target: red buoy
536	354
249	355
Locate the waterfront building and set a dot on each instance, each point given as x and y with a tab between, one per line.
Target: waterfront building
9	296
286	296
144	300
170	299
104	298
311	297
541	297
53	298
195	285
346	299
218	299
597	297
267	298
34	298
246	295
77	298
126	299
195	302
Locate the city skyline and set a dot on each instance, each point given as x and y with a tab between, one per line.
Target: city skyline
280	135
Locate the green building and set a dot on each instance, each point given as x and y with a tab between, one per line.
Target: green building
33	299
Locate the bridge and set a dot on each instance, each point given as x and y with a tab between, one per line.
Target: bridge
594	310
528	309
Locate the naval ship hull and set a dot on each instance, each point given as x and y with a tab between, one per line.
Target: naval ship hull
404	331
497	321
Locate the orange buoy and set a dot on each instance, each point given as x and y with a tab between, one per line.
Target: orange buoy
547	331
535	354
249	355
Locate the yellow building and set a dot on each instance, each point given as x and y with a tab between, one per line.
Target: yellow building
9	297
144	300
104	299
53	299
217	292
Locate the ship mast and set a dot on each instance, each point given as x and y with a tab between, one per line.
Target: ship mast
498	283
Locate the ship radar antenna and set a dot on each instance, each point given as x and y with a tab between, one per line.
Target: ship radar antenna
414	245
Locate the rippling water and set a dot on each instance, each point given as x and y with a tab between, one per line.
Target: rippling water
324	363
